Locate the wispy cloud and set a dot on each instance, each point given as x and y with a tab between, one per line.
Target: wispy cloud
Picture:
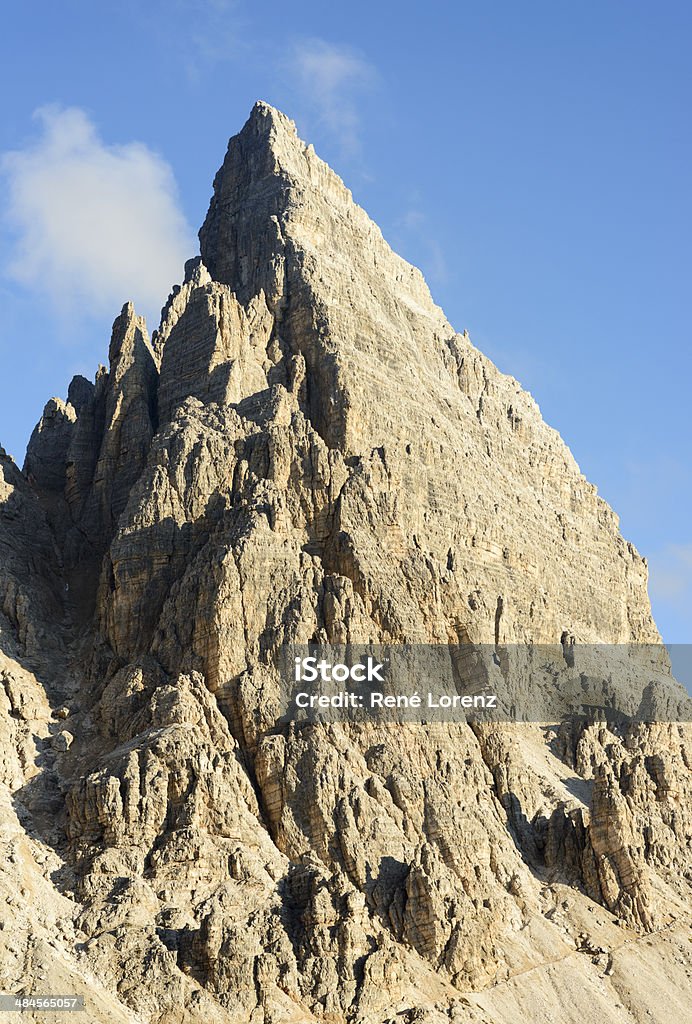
332	81
214	32
92	224
198	35
415	236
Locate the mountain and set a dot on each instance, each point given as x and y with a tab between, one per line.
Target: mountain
306	452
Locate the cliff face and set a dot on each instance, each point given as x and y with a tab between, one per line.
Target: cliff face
307	451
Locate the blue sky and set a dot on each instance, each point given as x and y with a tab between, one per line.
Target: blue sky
532	158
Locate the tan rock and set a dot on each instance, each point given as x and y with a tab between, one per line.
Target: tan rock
308	452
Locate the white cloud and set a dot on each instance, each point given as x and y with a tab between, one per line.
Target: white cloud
332	79
93	225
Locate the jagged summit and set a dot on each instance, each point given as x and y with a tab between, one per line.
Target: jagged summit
295	288
267	173
264	117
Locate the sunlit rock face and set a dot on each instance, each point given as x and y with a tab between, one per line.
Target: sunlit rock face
306	451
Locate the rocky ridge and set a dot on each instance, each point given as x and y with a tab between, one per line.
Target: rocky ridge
307	451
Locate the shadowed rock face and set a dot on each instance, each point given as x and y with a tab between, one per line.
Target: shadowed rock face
307	451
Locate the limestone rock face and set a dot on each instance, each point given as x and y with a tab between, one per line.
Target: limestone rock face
30	591
384	370
308	452
46	455
212	347
84	456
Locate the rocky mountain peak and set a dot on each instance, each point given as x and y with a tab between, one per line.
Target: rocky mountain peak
267	171
129	338
307	452
266	120
79	392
